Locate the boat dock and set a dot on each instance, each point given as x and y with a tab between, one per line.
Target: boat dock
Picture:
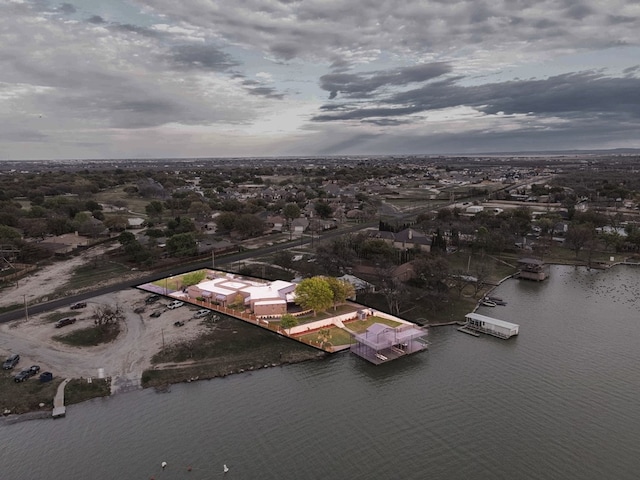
491	326
469	331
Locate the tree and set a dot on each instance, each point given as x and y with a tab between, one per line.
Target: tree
249	225
226	221
116	223
291	211
288	321
107	316
126	237
578	236
182	245
314	294
341	290
431	271
323	209
154	209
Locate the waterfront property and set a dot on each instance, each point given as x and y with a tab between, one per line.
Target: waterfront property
491	326
532	269
263	303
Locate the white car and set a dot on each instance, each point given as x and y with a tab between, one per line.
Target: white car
201	313
175	304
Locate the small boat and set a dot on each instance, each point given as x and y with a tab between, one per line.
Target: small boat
225	469
488	303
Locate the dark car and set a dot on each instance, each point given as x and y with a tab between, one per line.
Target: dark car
179	323
156	314
11	361
34	369
152	299
46	377
22	376
78	305
65	321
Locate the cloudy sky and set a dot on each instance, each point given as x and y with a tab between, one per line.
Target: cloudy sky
219	78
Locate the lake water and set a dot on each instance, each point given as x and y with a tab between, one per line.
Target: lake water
560	401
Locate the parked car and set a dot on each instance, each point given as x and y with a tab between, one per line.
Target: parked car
46	377
139	310
22	376
175	304
78	305
156	314
179	323
201	313
65	321
11	361
152	299
34	369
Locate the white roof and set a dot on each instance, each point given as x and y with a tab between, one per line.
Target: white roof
271	302
493	321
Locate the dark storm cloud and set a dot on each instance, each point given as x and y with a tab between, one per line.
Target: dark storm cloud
96	20
364	85
67	8
568	96
144	31
202	57
267	92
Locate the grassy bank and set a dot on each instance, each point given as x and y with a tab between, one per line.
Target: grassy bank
229	346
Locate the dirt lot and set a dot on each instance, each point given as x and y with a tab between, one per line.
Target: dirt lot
141	336
125	358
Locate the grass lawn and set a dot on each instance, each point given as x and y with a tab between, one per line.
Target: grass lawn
359	326
333	336
79	389
341	310
134	203
25	396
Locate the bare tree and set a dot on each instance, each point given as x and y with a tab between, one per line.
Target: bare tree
106	316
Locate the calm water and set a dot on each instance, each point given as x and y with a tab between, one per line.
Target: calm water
560	401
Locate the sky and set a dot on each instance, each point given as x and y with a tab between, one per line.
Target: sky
235	78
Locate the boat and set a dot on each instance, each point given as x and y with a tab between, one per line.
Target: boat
496	300
488	303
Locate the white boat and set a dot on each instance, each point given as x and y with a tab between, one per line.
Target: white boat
488	303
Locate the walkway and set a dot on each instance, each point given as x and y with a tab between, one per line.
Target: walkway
59	410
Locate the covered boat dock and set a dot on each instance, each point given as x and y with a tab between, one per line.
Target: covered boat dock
381	343
491	326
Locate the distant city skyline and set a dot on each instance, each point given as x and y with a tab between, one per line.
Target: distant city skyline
101	79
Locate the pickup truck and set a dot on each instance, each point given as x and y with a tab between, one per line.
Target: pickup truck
78	305
65	321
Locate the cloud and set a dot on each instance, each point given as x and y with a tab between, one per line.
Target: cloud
205	57
572	95
345	31
365	85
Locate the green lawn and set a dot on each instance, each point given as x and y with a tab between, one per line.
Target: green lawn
341	310
325	337
360	326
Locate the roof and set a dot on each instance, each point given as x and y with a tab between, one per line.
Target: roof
531	261
491	320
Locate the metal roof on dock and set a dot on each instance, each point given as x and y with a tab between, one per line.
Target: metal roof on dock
491	320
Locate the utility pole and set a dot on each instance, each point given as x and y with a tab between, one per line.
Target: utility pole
26	310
